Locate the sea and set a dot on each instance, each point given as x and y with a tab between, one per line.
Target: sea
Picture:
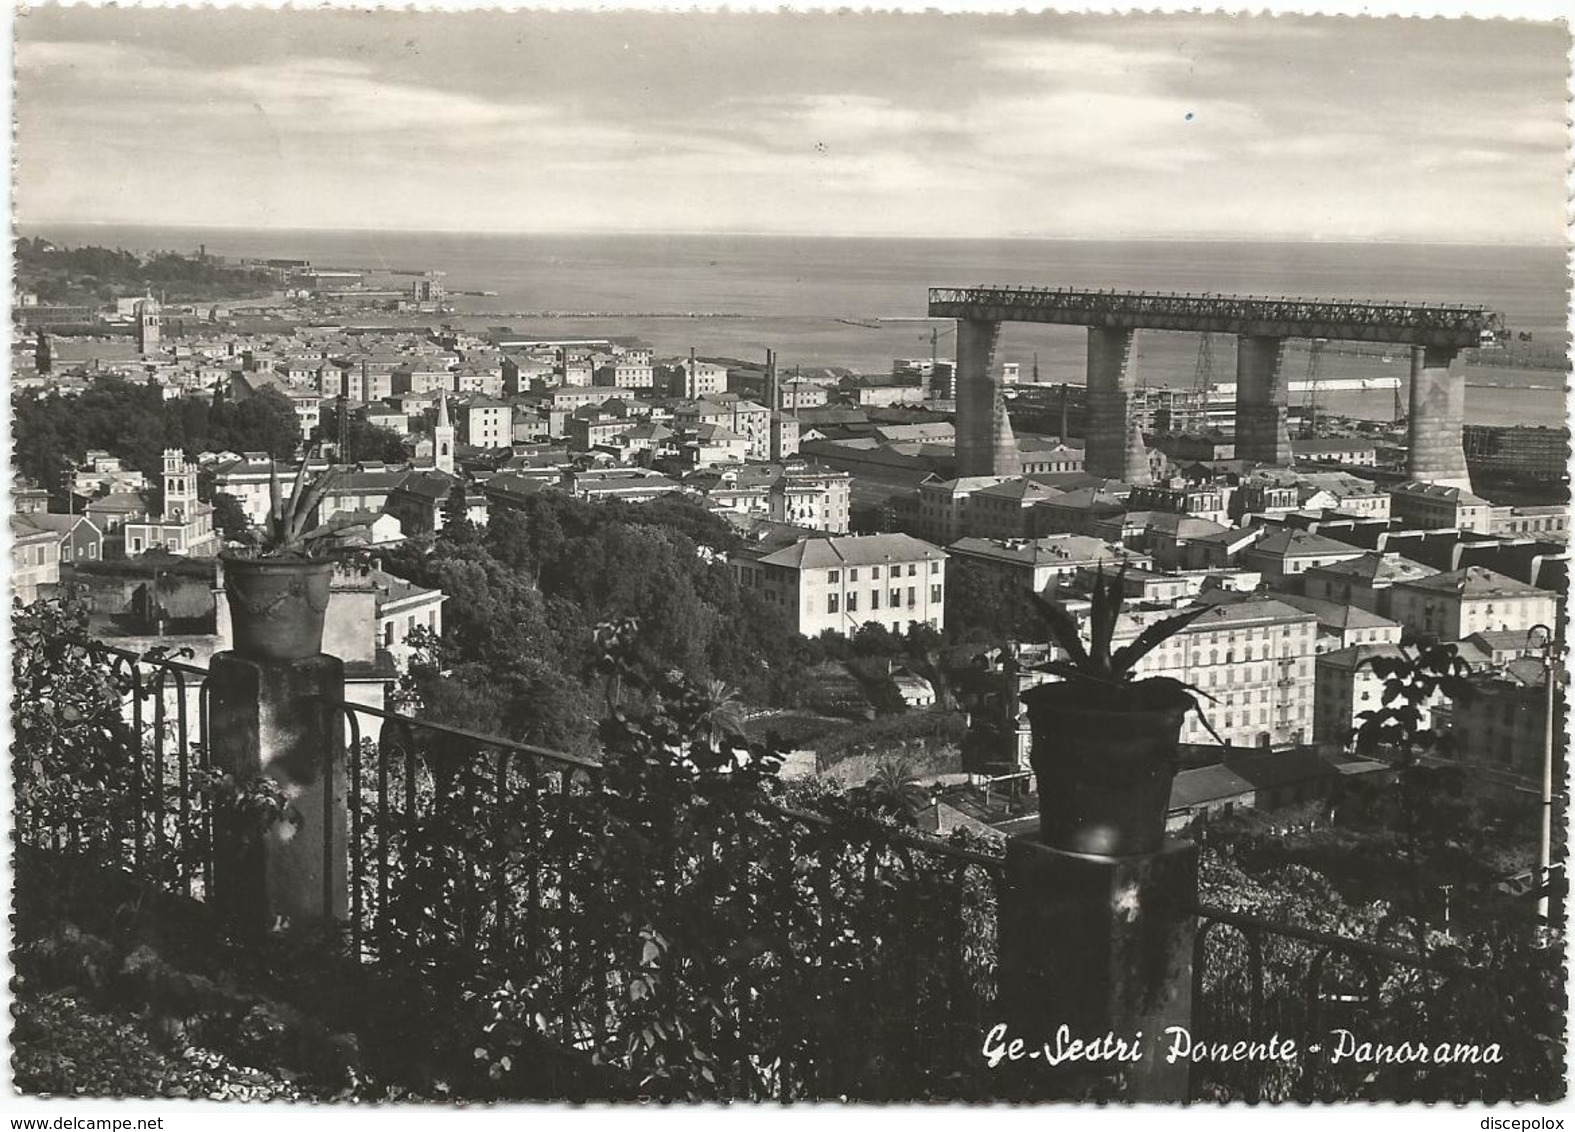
861	303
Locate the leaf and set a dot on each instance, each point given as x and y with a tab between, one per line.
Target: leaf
1152	637
1063	627
1102	617
650	954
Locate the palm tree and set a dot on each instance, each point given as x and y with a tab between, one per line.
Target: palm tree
885	788
724	712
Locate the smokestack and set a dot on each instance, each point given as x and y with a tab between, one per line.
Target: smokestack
773	401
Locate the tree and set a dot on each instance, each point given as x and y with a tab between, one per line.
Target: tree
984	606
457	527
361	440
229	517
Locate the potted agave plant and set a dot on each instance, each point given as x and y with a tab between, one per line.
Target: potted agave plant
1105	744
277	584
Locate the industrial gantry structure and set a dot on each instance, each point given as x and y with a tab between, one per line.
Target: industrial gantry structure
1436	334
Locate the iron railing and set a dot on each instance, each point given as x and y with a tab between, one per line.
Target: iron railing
831	957
150	816
783	938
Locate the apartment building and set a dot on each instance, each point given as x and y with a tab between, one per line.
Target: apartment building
485	422
1040	564
745	418
1452	606
1347	688
809	495
1365	581
1434	506
842	583
1254	657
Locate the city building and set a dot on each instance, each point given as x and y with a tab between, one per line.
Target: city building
1355	451
35	560
1503	724
1550	522
1288	553
1254	657
1347	688
1452	606
627	373
743	418
1040	564
1343	492
1365	581
692	379
1432	506
484	422
1203	501
1006	510
942	504
1341	625
842	583
631	485
186	525
247	478
784	436
80	538
812	496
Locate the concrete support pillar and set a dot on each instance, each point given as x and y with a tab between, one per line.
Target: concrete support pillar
1103	946
1262	401
1112	381
986	445
276	718
1438	413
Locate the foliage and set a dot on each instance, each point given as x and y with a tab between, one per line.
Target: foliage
90	273
1105	677
229	517
134	422
1495	977
665	915
357	439
286	532
985	606
87	777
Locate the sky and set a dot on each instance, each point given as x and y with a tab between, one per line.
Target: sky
829	124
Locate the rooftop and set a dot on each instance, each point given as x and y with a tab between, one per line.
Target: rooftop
1302	544
1337	615
854	550
1350	658
1474	582
1373	567
1418	489
1050	550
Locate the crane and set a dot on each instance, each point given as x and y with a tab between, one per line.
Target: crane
1310	406
1203	373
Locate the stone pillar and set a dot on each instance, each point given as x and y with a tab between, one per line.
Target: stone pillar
277	718
1438	413
986	445
1262	401
1102	946
1112	380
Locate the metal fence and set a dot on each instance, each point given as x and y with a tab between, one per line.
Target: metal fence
811	956
151	813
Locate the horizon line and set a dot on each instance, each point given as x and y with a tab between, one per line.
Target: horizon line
1151	237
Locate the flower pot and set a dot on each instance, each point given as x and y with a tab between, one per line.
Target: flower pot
1103	776
277	605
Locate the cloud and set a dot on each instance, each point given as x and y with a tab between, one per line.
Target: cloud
1056	124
